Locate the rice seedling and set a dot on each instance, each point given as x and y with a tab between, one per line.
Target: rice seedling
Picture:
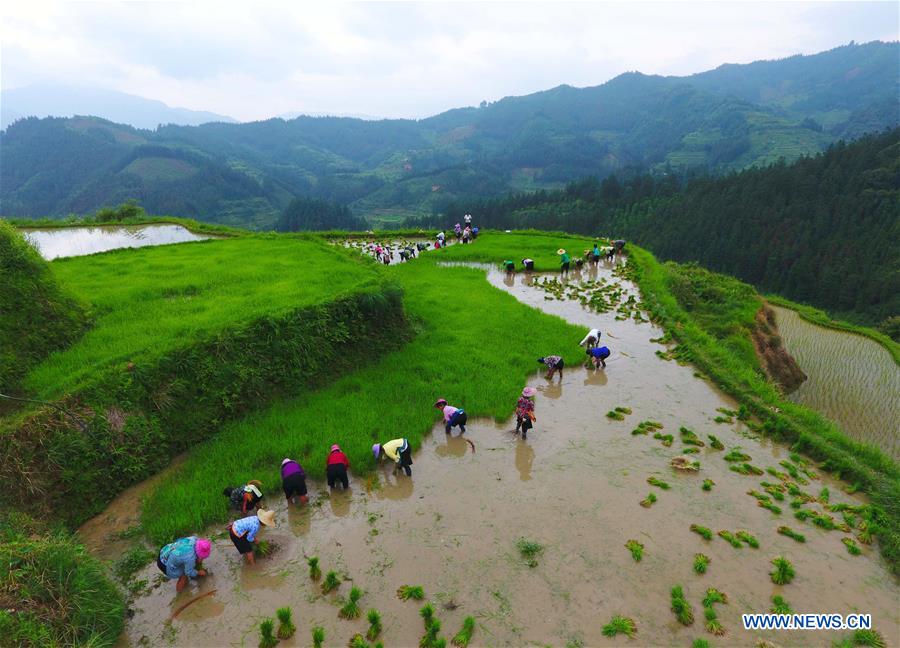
684	464
714	443
744	536
868	638
332	582
681	607
852	547
824	494
263	548
736	455
700	643
645	427
623	410
708	484
745	469
758	495
318	636
648	501
790	533
315	573
620	625
427	614
776	473
636	549
689	438
267	638
462	638
529	549
783	572
406	592
850	520
727	412
430	638
374	619
350	609
701	562
286	627
793	472
714	596
615	416
358	641
653	481
666	439
713	626
702	531
690	450
780	606
723	419
730	538
769	505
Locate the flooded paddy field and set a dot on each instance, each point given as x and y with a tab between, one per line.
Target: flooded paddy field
59	242
574	487
852	380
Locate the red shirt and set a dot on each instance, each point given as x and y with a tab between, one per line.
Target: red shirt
337	457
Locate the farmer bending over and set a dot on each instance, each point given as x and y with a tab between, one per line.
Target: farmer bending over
293	481
528	264
554	363
591	340
244	498
178	560
453	416
598	356
336	467
397	451
243	532
525	411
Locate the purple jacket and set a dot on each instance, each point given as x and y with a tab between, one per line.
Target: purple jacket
291	468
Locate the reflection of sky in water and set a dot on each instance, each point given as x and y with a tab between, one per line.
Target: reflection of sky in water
77	241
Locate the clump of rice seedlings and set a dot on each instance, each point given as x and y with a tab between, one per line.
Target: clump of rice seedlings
730	538
358	641
350	609
824	494
318	636
852	547
406	592
267	638
702	531
427	614
793	472
666	439
684	464
755	493
529	550
263	548
286	627
824	520
780	606
432	628
708	484
745	469
374	619
713	626
690	450
790	533
714	443
726	411
736	455
462	638
714	596
636	549
776	473
615	416
332	582
645	427
867	638
681	607
797	503
653	481
701	562
700	643
648	501
723	419
744	536
619	625
768	505
315	573
689	438
623	410
783	572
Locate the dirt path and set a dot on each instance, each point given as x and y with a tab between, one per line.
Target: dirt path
574	487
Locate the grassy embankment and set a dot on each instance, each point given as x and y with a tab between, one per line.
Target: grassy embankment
474	345
185	337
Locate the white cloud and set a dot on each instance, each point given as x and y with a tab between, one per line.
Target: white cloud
254	60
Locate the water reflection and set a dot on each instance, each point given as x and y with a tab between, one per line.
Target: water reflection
524	459
78	241
455	446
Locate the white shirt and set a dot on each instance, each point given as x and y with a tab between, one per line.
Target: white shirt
440	236
593	333
468	219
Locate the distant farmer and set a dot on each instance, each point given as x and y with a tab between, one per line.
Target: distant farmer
453	416
591	340
178	560
528	264
397	451
619	246
579	263
457	230
598	355
467	234
244	498
509	266
336	467
467	219
243	532
610	253
475	232
405	254
421	247
293	481
554	363
440	238
525	411
595	254
564	260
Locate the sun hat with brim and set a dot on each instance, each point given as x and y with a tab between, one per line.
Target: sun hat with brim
202	548
528	392
335	447
267	518
560	251
376	450
284	461
440	401
254	482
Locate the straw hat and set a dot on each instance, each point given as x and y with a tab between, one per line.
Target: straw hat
560	251
266	517
528	392
202	548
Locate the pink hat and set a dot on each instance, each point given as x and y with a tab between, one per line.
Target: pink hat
202	548
440	401
528	392
335	447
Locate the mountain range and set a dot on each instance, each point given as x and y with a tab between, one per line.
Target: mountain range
730	118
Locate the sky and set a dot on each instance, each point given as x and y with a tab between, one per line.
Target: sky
253	60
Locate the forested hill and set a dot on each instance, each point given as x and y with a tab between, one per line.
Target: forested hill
725	119
824	230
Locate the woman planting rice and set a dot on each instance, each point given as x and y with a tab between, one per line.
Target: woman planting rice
554	363
336	467
591	340
244	498
243	532
398	451
178	560
293	481
453	416
598	355
525	411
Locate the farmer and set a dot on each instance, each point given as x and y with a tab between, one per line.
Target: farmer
405	254
397	451
510	266
467	219
528	264
421	247
591	340
453	416
554	363
440	238
243	532
619	246
178	560
564	260
525	411
336	467
244	498
610	253
598	355
475	232
293	481
457	230
467	234
595	254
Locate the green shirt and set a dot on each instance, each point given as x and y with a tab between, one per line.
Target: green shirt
565	258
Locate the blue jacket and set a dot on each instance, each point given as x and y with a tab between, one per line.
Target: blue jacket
180	558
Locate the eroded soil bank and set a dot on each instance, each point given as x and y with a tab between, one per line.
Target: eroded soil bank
574	487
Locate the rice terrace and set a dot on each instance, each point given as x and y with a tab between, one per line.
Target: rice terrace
613	365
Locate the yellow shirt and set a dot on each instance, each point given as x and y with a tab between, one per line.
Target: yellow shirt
392	449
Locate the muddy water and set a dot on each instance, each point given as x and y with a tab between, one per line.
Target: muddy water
853	380
59	242
574	487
